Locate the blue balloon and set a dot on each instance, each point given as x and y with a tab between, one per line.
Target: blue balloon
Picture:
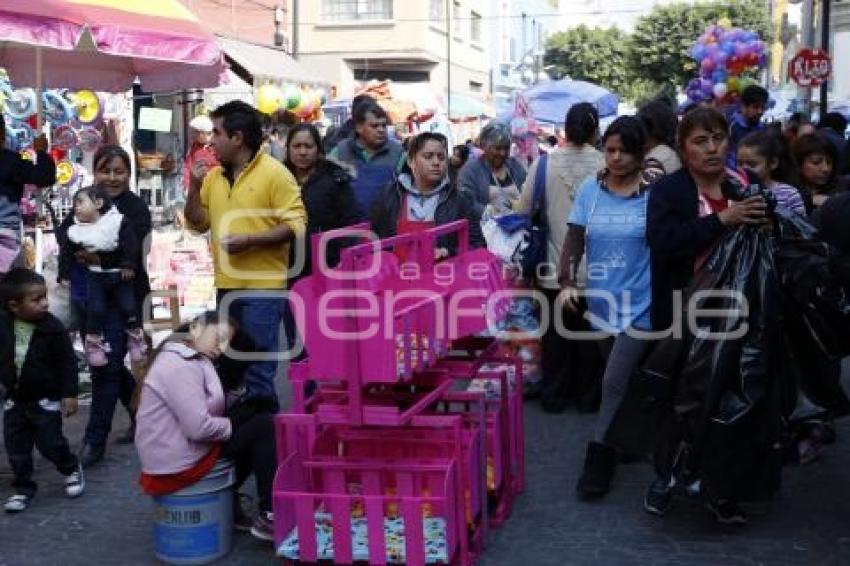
698	52
719	76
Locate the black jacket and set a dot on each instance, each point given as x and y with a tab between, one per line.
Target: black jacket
138	215
15	172
330	205
50	367
677	236
452	206
125	256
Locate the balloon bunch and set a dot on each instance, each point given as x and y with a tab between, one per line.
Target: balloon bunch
305	103
723	55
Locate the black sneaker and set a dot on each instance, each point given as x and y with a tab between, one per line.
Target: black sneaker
727	512
263	527
659	496
242	521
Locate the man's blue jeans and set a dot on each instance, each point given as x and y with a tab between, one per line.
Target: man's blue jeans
259	314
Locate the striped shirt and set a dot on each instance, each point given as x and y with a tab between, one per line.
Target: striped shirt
788	198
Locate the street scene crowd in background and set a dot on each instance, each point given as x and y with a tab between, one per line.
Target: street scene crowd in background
682	271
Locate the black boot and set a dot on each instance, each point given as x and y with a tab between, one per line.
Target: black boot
91	455
600	463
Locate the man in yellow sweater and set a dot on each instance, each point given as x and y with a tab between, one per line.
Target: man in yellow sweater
251	205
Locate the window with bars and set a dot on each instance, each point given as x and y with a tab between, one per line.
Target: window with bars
355	10
475	27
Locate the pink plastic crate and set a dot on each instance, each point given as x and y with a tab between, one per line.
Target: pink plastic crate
485	358
384	320
344	492
350	402
427	437
499	483
333	497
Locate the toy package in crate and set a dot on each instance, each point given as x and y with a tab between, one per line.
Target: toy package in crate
500	472
358	501
484	358
426	437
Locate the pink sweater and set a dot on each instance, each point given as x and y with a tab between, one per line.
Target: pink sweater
180	412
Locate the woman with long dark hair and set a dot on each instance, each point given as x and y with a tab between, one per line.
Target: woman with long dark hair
325	190
608	222
112	382
817	160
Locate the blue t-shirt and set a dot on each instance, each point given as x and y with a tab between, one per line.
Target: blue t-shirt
617	255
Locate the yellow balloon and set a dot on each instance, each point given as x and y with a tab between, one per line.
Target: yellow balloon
724	22
268	98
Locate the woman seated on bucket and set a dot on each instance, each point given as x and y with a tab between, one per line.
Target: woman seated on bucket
182	426
423	197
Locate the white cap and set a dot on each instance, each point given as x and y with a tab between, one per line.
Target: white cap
201	124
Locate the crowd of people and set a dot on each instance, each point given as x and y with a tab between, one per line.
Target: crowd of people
633	214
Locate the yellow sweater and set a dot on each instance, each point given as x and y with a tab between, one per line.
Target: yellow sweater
264	196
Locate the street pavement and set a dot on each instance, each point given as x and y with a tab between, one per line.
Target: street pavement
808	523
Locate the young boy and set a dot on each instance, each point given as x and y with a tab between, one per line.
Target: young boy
746	119
39	372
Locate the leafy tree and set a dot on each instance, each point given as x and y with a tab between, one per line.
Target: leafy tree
660	44
595	55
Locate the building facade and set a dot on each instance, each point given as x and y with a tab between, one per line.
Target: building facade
444	42
840	49
520	29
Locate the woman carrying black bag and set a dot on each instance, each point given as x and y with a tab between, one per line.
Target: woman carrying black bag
569	369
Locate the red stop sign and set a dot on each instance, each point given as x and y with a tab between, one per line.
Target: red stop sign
810	67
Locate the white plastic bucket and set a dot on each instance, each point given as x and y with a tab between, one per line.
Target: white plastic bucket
195	525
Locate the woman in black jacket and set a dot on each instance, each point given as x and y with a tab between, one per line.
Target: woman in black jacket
424	197
325	190
112	382
687	214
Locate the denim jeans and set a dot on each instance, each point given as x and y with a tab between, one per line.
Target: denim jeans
110	383
27	425
106	292
260	317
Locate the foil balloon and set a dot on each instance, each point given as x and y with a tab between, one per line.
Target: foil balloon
19	136
20	103
66	173
90	107
65	137
57	109
89	140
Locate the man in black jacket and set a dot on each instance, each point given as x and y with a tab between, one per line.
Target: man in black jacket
38	369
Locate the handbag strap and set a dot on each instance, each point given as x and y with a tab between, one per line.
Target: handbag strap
538	197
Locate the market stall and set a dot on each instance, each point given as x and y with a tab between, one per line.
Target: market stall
81	49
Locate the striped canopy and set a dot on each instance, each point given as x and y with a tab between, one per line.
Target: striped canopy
106	44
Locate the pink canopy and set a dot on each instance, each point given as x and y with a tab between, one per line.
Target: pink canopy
105	44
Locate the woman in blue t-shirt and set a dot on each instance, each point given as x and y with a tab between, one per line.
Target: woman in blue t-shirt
608	224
